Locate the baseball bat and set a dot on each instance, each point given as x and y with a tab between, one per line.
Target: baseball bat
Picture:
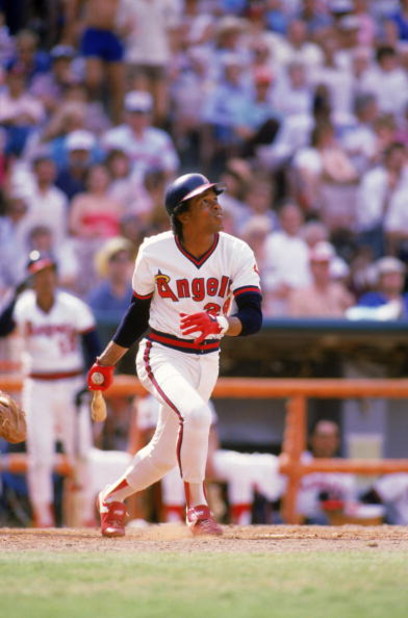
98	406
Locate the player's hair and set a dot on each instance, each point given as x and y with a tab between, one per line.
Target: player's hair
176	224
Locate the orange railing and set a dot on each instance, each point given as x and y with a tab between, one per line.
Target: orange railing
296	392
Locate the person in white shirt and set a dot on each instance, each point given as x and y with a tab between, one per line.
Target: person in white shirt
286	264
150	26
375	194
147	146
323	489
387	81
45	201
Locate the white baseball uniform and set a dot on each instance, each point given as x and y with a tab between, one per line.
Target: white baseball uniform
393	491
53	369
335	484
178	372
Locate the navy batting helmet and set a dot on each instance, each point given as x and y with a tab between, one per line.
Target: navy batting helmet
38	260
187	186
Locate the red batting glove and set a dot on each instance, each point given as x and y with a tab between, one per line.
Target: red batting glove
100	377
205	323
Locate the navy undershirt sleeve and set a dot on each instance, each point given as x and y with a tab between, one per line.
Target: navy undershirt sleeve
134	323
249	312
7	323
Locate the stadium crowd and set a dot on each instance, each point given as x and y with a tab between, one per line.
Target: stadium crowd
300	107
301	102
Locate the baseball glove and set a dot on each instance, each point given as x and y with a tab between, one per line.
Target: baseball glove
13	426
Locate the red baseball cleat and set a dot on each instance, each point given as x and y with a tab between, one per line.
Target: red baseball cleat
113	517
200	521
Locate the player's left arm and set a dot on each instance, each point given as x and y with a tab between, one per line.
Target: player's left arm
248	319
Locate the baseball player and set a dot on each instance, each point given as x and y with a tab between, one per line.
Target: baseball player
244	473
191	285
53	324
391	490
320	488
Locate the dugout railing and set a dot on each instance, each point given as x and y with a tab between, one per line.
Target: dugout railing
296	393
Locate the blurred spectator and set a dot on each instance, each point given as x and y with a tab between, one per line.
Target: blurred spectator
323	297
400	18
46	203
70	116
12	238
94	217
298	48
338	81
396	217
255	232
388	81
150	31
49	87
360	139
125	186
101	47
259	199
286	260
222	116
189	83
389	285
81	146
325	179
374	197
293	95
41	238
27	57
113	264
315	16
94	214
236	177
20	111
154	185
147	146
260	121
229	41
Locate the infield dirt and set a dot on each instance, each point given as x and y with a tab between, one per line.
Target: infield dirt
248	539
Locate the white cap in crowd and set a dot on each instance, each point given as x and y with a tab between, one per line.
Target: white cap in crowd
138	101
322	251
80	139
389	264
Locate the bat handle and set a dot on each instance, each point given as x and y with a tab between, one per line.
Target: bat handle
98	407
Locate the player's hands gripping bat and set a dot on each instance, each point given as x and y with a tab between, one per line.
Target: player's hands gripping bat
203	322
100	377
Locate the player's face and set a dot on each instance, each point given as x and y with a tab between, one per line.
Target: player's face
325	443
205	213
45	280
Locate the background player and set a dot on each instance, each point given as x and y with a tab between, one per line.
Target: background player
319	488
185	281
53	324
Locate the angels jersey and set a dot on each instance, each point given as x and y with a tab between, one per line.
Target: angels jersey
51	339
177	282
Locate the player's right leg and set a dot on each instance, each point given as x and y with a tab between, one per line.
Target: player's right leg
38	404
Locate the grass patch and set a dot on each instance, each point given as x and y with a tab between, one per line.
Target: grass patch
303	585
